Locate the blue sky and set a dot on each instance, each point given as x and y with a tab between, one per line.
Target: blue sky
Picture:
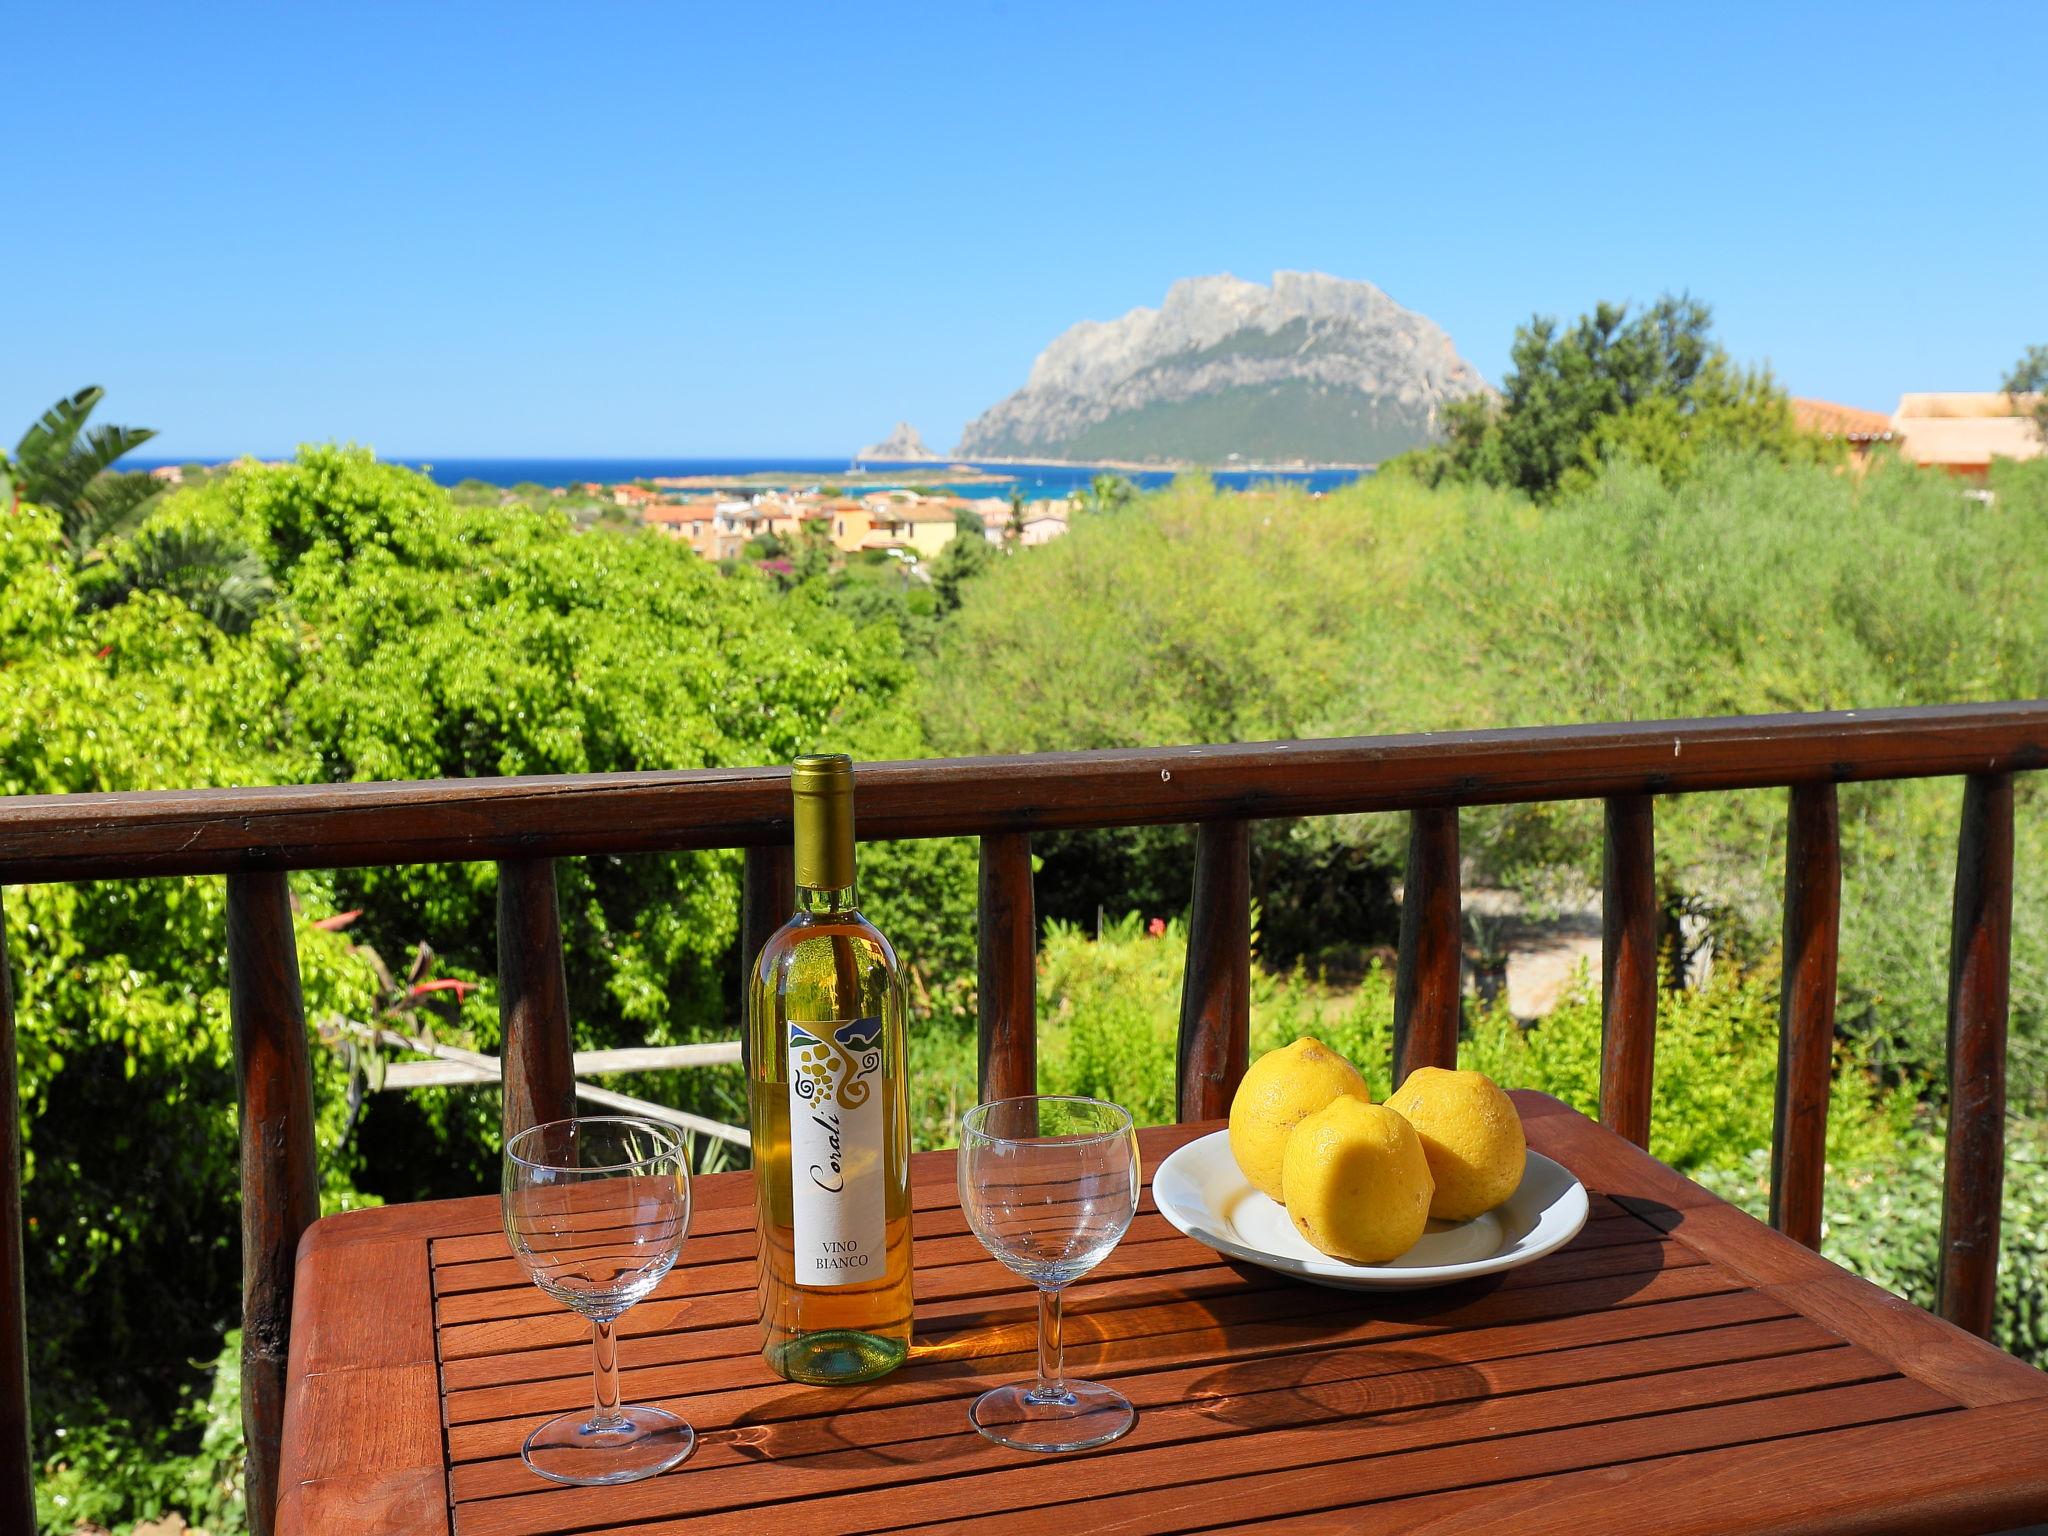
451	229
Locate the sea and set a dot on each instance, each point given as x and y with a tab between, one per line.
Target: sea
1037	482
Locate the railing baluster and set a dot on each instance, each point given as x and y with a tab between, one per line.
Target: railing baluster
1806	1011
17	1480
533	998
1427	990
1979	979
280	1187
1006	964
1628	967
767	897
1216	989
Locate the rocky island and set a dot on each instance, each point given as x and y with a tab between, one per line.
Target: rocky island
903	446
1313	370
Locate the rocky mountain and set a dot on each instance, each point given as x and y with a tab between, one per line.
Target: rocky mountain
898	447
1315	368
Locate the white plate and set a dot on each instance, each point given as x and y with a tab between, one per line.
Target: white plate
1200	1190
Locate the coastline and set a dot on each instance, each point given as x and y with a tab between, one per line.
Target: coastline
1133	466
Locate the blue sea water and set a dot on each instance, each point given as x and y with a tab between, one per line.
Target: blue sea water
1036	481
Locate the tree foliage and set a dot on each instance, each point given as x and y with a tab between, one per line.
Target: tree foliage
413	638
62	464
2029	377
1653	387
1750	586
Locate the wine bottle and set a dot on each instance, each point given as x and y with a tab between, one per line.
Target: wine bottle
831	1120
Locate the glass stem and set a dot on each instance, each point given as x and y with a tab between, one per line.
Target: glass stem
1051	1383
605	1357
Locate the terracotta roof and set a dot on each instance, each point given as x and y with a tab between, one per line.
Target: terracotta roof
1843	421
680	514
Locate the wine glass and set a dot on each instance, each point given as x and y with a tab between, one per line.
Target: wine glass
1049	1184
596	1209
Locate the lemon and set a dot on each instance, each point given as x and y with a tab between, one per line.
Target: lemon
1358	1186
1471	1136
1280	1089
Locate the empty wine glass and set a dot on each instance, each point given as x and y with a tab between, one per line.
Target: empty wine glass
596	1210
1049	1185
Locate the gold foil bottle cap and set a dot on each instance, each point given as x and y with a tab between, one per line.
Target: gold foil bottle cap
821	784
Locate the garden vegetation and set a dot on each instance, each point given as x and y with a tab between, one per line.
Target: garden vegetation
383	628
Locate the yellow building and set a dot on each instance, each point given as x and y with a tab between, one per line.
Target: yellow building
850	523
929	527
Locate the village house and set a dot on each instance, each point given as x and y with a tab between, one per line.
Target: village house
1858	430
919	526
1963	431
1041	522
694	521
850	524
929	527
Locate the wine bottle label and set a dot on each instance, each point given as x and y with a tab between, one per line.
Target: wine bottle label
836	1148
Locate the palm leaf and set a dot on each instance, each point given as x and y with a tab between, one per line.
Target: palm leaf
53	433
108	506
106	444
214	574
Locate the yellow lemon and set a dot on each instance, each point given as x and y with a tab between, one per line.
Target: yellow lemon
1471	1136
1281	1088
1358	1186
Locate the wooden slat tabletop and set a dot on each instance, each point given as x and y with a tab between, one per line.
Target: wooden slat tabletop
1679	1368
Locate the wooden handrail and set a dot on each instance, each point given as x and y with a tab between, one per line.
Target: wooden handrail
255	835
335	826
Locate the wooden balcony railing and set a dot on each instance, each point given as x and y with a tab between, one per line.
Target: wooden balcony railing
254	836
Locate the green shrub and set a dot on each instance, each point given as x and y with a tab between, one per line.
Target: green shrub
112	1472
1882	1219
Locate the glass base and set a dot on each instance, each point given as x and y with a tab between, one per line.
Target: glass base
1081	1414
634	1443
836	1357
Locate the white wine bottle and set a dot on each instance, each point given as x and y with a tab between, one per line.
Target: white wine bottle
831	1120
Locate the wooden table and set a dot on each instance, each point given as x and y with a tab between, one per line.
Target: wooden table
1679	1367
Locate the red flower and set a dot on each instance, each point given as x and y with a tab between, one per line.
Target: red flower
461	989
1156	928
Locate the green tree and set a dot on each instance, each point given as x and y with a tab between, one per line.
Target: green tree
966	555
211	572
1108	493
1654	387
2029	376
414	638
62	465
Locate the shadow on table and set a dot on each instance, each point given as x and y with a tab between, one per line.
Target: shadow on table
928	1436
1358	1355
1398	1384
